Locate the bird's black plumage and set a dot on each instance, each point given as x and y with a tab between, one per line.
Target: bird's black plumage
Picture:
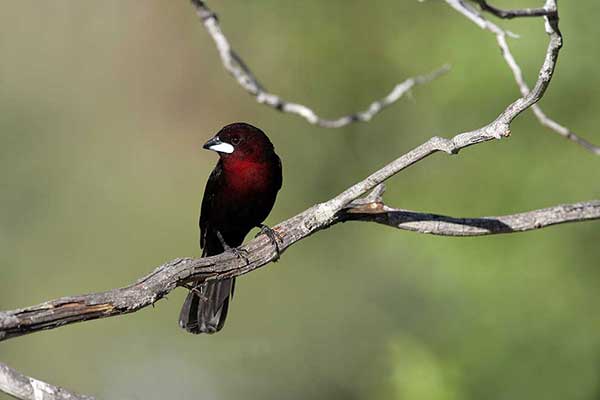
239	195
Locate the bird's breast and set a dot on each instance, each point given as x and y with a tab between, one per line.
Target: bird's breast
244	178
246	193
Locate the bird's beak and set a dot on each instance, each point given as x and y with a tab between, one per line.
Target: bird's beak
215	144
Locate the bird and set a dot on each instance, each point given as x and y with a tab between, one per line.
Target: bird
239	195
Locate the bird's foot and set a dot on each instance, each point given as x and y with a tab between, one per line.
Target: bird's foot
239	253
274	236
242	254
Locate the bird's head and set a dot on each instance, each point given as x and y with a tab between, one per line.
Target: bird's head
241	141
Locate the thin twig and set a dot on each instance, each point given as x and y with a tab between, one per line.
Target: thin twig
234	64
550	13
509	14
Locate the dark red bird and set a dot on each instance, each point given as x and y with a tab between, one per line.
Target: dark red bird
239	195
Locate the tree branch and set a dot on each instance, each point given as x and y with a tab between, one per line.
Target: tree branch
165	278
442	225
25	388
509	14
246	79
549	11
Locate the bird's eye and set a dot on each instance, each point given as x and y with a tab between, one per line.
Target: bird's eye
235	140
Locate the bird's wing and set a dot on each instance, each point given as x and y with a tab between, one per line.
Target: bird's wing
208	201
279	177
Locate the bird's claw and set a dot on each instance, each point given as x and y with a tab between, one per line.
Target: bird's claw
240	253
274	236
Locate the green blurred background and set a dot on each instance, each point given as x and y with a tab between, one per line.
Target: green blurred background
104	107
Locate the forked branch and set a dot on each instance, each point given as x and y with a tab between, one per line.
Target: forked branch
165	278
551	12
234	64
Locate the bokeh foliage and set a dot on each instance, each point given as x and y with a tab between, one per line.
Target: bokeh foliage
103	110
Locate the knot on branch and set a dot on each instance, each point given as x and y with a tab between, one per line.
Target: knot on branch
443	144
203	11
320	215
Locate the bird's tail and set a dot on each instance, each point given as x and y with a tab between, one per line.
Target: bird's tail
205	307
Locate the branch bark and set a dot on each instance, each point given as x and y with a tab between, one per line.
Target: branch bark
509	14
443	225
25	388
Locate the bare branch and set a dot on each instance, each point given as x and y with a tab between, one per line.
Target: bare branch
551	14
442	225
564	131
509	14
165	278
240	71
26	388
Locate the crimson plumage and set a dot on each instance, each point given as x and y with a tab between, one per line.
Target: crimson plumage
239	195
